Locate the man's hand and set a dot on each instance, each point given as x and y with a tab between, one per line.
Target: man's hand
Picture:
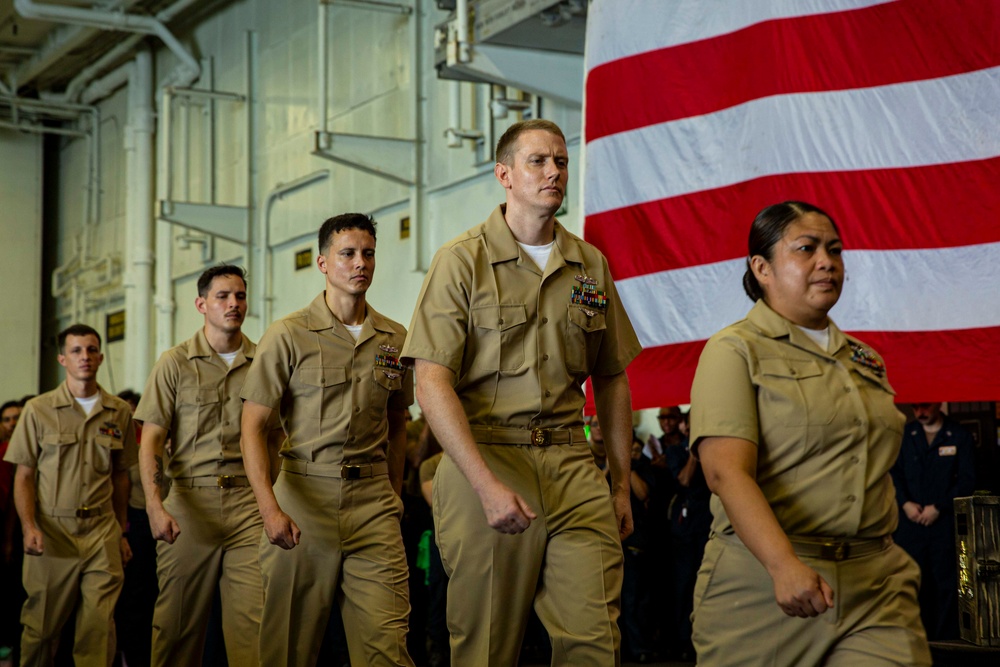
912	511
126	550
281	530
623	514
800	591
163	525
929	515
34	543
506	511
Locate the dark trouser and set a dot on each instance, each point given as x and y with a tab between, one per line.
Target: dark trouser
933	547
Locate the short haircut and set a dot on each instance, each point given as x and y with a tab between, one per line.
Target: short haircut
130	396
8	405
342	222
77	330
206	278
507	145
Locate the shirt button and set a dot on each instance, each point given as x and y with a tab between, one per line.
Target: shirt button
357	410
855	459
847	389
357	378
545	357
547	393
857	421
545	320
501	321
851	499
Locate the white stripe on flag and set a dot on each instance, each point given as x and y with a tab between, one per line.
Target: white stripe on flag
622	28
938	121
894	290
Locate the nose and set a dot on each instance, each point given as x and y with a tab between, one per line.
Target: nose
826	259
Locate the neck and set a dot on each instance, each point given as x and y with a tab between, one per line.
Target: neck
349	309
531	227
223	342
934	425
81	388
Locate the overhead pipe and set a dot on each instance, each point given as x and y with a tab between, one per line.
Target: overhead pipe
463	52
138	225
164	230
266	289
188	70
323	112
419	120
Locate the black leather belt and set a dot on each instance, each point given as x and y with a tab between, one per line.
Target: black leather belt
538	437
337	471
840	550
220	481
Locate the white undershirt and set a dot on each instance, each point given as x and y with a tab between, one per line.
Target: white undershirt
229	357
819	336
88	403
539	254
355	330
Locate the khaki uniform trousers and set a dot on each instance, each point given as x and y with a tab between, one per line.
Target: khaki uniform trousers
568	563
875	619
220	532
81	568
350	553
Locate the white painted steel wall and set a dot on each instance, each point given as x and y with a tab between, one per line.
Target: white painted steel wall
370	92
20	262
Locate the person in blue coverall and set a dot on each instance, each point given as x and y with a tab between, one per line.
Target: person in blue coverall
936	464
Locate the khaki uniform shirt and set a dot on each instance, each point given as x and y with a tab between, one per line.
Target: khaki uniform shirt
194	395
824	423
521	341
73	454
331	392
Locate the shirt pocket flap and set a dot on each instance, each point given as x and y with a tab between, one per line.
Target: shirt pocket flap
388	378
790	368
586	322
109	442
500	317
58	439
197	396
319	376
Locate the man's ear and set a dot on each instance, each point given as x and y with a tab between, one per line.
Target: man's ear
502	172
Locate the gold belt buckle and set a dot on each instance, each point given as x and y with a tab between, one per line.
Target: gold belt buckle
87	512
226	481
541	437
835	550
350	472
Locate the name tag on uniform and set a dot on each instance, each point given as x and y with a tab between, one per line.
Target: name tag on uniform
950	450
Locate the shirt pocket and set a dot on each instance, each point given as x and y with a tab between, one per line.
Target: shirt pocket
104	446
200	411
584	334
321	392
795	392
54	447
383	384
499	336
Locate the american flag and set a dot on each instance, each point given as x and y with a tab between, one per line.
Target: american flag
699	113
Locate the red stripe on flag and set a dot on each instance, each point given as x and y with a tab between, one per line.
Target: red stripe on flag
660	373
921	366
873	46
931	365
884	209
